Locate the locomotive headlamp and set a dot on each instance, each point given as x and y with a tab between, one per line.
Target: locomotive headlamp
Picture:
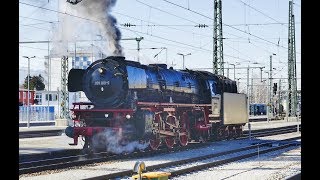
101	70
128	116
106	115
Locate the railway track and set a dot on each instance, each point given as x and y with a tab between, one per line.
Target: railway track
40	133
71	158
79	160
251	151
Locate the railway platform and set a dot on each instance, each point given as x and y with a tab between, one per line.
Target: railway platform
61	141
270	124
41	128
40	131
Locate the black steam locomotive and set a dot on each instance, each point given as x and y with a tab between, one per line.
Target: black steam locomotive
160	103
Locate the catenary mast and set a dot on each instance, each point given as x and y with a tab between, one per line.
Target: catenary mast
218	63
292	73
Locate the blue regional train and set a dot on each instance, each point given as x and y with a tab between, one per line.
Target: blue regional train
258	109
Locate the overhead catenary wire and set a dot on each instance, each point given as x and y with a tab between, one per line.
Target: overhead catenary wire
259	12
224	24
42	20
186	44
237	51
34	48
86	19
199	25
40	23
131	30
38	9
169	26
60	12
192	21
151	35
34	27
230	25
160	25
167	12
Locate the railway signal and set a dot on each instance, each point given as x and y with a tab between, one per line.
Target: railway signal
275	87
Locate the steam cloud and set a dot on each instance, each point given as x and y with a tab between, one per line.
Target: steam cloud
99	10
72	28
114	142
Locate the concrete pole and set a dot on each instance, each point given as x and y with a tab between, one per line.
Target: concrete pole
183	62
248	82
261	73
279	96
166	55
268	106
251	88
248	104
138	50
234	72
58	102
183	55
270	87
228	71
28	90
28	105
287	102
271	94
48	80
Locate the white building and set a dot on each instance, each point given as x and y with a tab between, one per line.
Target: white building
49	98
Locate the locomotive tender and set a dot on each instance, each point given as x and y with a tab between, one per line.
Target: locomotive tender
154	104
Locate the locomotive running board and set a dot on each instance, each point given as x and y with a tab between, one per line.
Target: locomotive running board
172	104
162	132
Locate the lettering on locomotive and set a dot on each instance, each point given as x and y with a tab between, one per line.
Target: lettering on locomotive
102	83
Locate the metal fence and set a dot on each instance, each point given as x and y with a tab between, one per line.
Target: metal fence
36	113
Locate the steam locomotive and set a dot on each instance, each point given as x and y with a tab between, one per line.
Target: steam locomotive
154	104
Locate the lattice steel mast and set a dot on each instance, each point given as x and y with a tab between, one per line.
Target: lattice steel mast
218	63
64	91
292	73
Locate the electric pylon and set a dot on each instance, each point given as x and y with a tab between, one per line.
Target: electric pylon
218	63
64	92
292	73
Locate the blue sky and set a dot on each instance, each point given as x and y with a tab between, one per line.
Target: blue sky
174	29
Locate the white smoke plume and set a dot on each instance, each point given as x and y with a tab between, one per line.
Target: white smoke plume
92	18
61	36
113	141
99	10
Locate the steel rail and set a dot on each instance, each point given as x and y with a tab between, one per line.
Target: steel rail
203	166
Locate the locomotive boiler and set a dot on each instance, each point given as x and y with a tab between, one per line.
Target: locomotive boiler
154	104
